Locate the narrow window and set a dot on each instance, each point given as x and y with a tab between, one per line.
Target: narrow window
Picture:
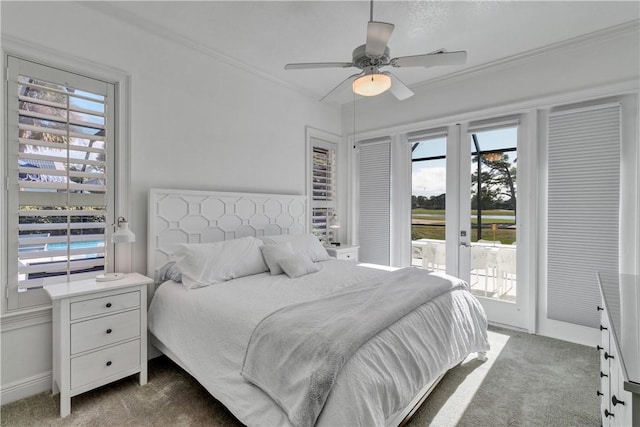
60	163
323	188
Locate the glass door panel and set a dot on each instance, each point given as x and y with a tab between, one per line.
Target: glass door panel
493	184
428	195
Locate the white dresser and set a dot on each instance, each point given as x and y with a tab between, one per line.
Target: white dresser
99	334
345	252
619	390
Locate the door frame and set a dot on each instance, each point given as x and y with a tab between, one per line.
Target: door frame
520	314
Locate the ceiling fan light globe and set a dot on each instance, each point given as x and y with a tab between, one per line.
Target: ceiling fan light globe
371	84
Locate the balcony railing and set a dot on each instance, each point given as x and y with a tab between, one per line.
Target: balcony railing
492	264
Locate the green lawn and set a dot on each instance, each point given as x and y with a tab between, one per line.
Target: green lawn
505	235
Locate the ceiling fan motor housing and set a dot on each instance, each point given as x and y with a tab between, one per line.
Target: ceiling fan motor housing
362	61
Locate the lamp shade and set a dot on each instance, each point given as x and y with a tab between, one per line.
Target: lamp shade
371	84
123	234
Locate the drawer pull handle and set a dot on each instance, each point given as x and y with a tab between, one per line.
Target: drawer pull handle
602	374
615	400
109	363
109	331
608	356
108	305
599	394
600	308
607	413
602	328
599	347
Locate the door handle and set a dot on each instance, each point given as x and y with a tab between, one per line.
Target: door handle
465	244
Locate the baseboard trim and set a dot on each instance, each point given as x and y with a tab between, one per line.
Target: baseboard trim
26	387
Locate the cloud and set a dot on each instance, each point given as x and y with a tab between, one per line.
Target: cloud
429	181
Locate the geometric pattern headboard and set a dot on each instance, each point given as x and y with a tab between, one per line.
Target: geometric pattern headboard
193	216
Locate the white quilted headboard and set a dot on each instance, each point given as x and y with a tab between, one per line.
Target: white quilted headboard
191	216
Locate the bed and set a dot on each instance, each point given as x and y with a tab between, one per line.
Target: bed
210	330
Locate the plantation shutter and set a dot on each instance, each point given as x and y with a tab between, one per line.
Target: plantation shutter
583	209
374	201
60	162
323	187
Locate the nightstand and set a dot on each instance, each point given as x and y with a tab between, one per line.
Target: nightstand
349	253
99	334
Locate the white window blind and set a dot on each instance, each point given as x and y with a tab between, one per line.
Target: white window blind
374	201
323	188
422	135
583	209
60	166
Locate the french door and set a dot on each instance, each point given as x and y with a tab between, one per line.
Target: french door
467	218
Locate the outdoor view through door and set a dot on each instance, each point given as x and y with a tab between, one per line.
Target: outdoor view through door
493	157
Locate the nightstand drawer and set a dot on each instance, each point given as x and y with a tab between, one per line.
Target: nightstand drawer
96	306
104	331
349	256
105	363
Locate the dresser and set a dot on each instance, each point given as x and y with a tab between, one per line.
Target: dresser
99	334
344	252
619	350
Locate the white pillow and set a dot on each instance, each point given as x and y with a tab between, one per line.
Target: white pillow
273	254
204	264
298	265
301	243
168	271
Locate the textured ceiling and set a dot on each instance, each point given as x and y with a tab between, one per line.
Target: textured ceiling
265	35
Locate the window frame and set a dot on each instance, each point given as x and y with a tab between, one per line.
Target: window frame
120	259
328	141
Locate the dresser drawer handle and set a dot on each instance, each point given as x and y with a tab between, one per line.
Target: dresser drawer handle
598	393
599	308
602	328
108	305
607	413
615	400
599	347
109	363
602	374
109	331
608	356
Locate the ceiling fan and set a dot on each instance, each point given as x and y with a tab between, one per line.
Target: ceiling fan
374	55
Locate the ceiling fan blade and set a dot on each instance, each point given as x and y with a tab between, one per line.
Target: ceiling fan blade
308	65
431	59
399	89
378	35
341	86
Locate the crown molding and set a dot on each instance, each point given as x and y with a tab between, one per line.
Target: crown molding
564	46
166	33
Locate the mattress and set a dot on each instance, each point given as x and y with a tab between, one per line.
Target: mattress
208	330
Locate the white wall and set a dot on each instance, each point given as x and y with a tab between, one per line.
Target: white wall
196	122
598	66
605	58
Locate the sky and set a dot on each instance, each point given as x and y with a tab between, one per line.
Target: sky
429	178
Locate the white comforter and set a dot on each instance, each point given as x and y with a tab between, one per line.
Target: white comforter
208	330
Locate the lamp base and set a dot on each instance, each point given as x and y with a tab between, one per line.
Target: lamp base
108	277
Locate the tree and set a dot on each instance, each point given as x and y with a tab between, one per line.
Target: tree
498	177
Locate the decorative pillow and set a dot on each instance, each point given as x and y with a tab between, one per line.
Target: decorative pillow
204	264
301	243
298	265
168	271
273	254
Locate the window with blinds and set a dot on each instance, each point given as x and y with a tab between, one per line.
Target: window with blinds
323	188
374	201
60	128
583	209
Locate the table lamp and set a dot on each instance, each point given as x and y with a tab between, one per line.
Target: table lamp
122	234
